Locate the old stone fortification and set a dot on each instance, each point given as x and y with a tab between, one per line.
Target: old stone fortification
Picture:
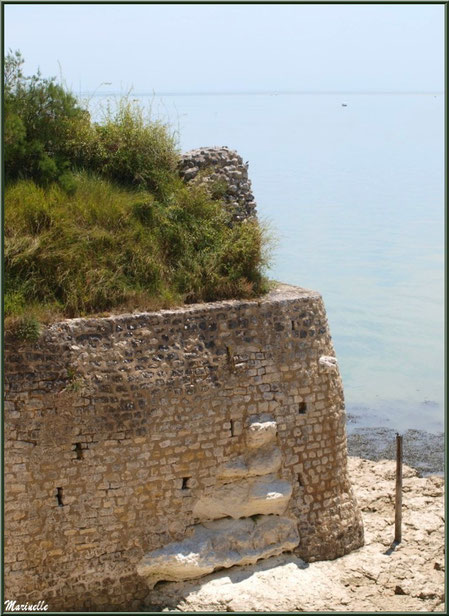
224	174
132	438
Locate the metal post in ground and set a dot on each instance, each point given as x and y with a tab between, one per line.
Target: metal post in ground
398	502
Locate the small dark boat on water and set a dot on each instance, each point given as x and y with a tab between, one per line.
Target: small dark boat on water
344	105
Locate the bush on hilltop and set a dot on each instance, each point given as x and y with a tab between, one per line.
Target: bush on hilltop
48	135
41	120
97	218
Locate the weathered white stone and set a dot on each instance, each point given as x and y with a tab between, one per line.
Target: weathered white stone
234	469
377	578
219	544
328	362
244	498
190	173
261	462
261	430
265	461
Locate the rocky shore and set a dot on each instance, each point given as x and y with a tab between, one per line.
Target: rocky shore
380	576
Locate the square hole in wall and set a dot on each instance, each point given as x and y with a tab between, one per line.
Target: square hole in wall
185	485
302	408
232	427
78	450
59	494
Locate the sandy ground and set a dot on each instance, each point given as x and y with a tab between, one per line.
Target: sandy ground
380	577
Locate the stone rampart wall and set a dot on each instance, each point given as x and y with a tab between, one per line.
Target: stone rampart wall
118	430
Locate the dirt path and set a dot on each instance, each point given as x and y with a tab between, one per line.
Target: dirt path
378	577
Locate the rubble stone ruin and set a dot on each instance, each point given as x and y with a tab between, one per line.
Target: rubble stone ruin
166	445
223	172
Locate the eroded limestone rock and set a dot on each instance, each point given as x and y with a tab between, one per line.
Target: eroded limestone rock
244	498
261	462
228	535
261	430
219	544
329	363
373	579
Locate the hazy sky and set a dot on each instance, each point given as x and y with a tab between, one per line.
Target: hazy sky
219	48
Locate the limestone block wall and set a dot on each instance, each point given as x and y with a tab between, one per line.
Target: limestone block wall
121	431
223	172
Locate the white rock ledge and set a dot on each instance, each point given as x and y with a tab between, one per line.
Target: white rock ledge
261	430
267	495
219	544
261	462
329	363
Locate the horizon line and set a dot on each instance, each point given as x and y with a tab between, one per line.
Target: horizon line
254	92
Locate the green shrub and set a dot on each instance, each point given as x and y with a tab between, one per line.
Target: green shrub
132	150
98	219
42	120
104	248
218	189
14	302
49	134
27	329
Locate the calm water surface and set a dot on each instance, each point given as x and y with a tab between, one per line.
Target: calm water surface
355	195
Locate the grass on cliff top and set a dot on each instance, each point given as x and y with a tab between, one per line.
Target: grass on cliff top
105	248
97	219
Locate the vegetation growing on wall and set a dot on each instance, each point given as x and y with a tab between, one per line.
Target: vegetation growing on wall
97	218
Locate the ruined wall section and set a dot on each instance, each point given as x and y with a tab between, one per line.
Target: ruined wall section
115	427
225	175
